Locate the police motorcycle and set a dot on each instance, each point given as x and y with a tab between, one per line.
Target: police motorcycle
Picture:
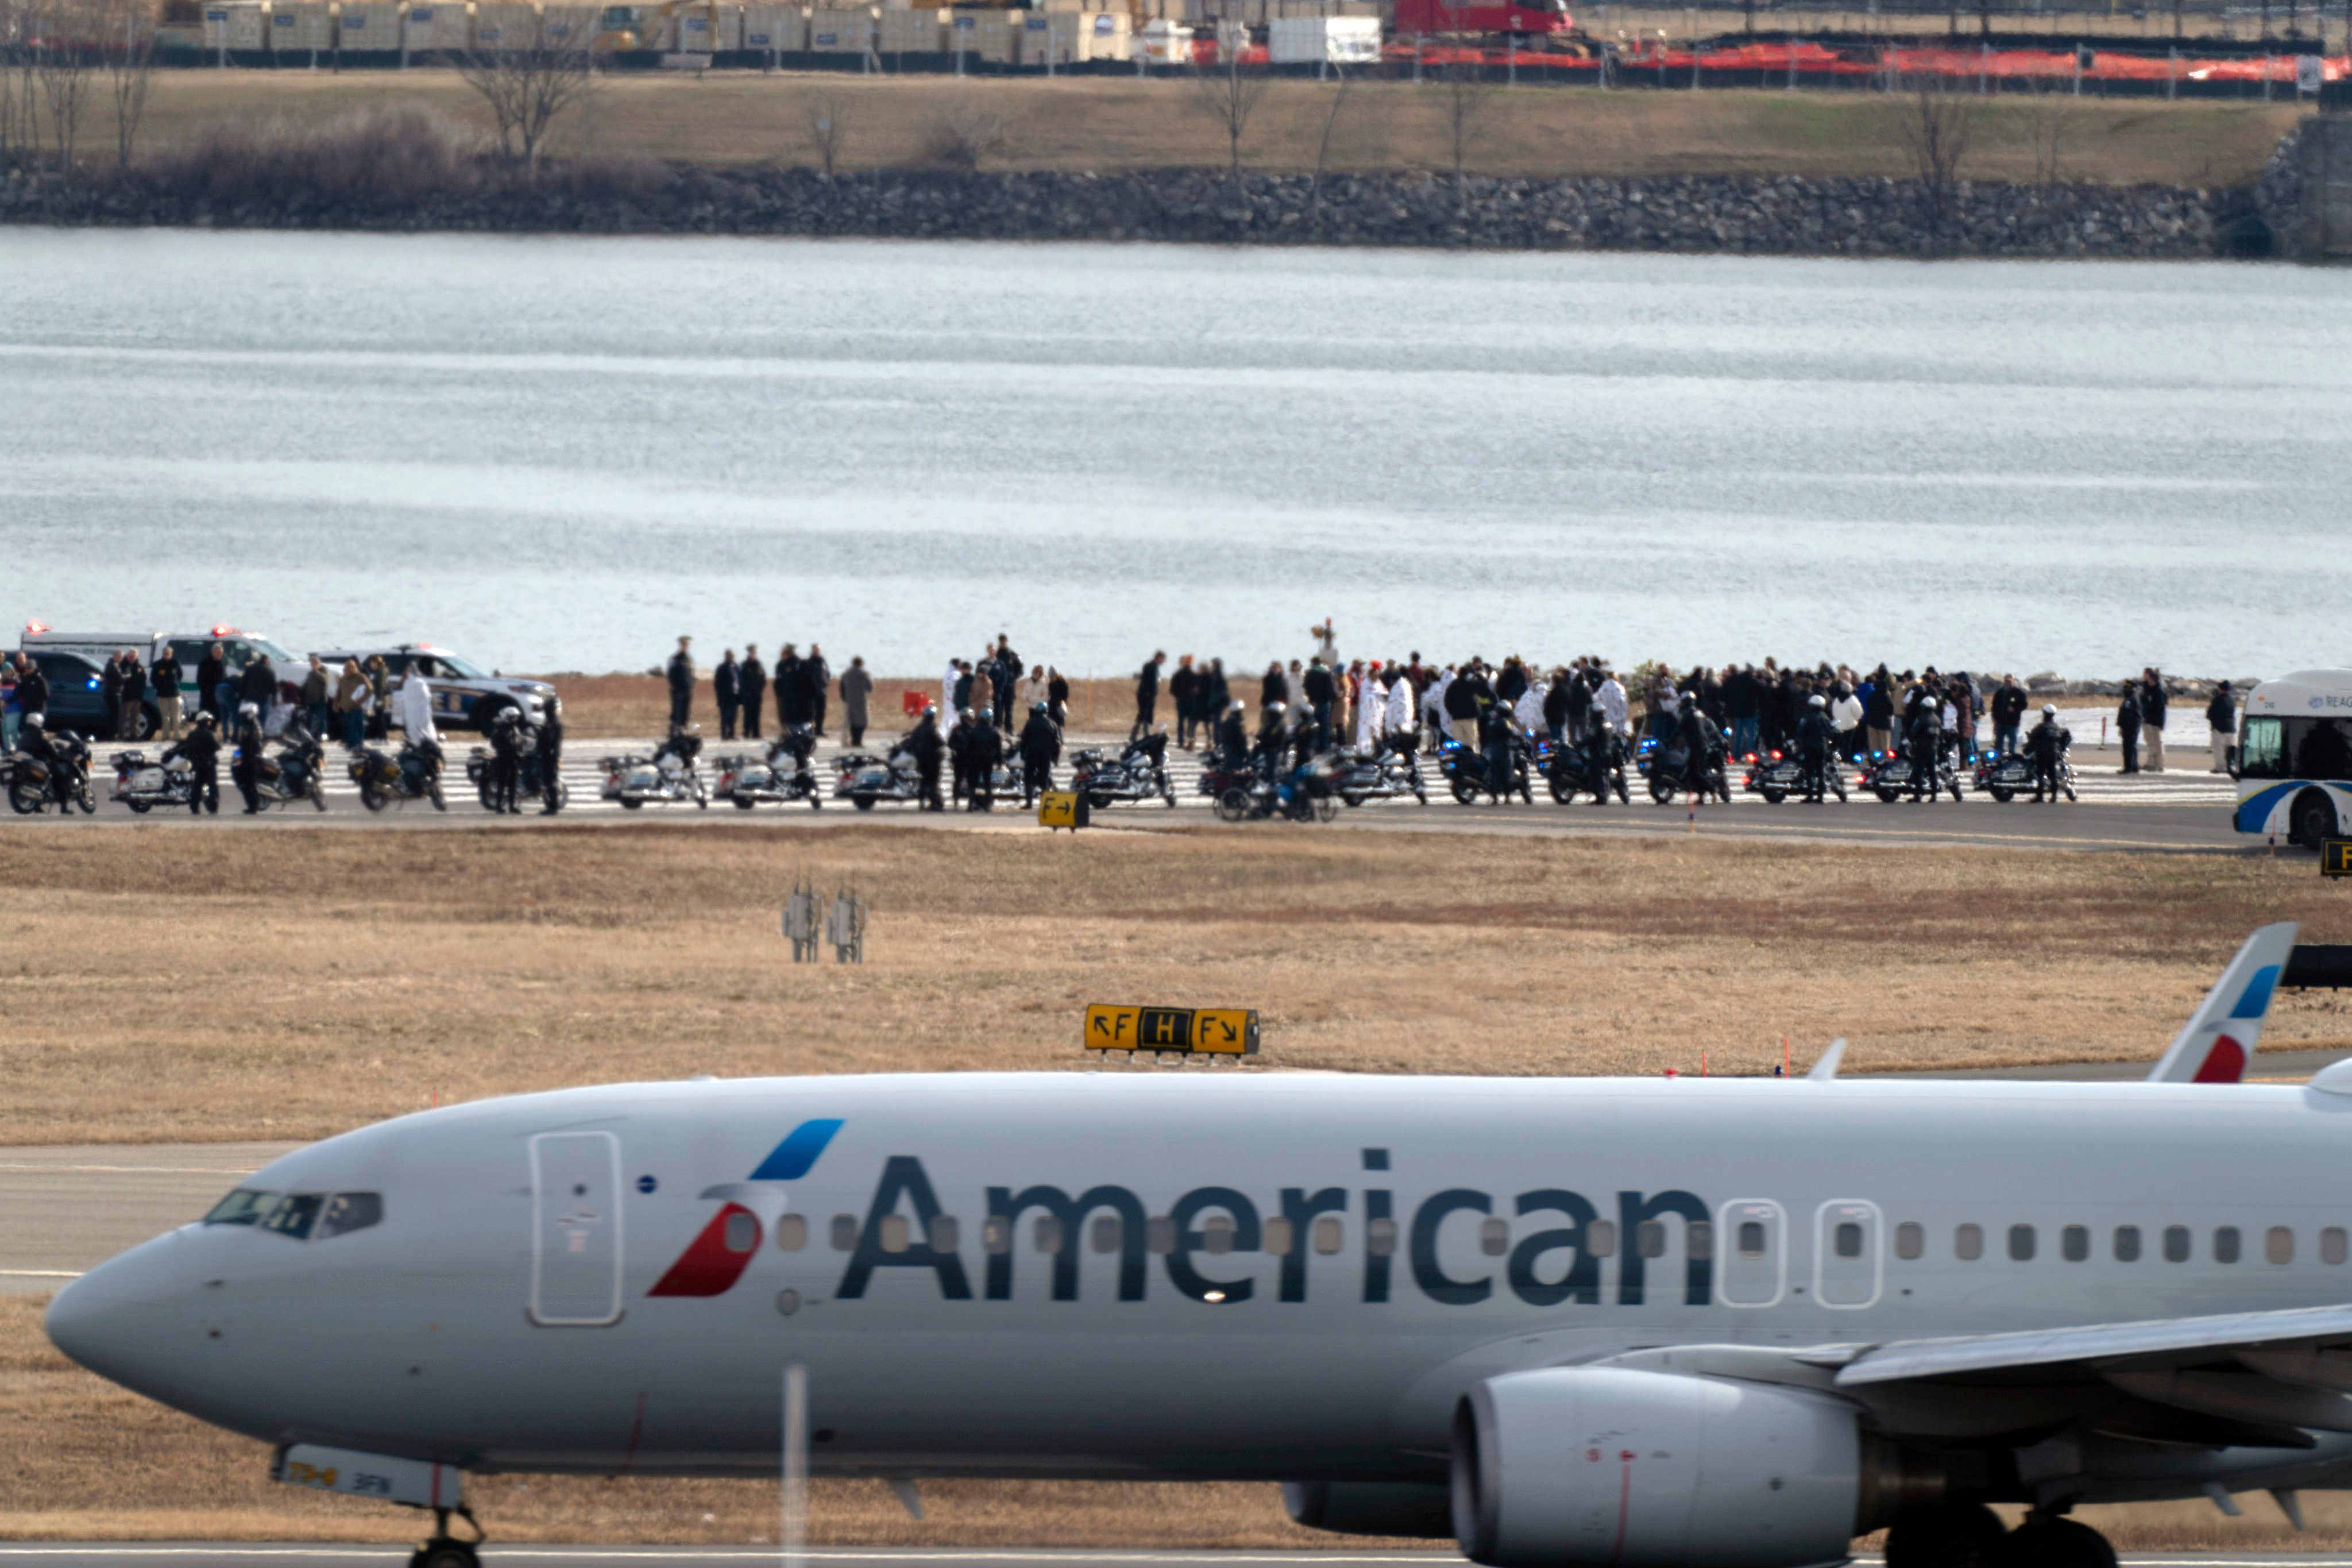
1666	764
1139	774
1464	768
143	785
670	777
1389	771
863	780
530	778
2005	777
294	773
784	775
33	787
1890	776
414	775
1306	792
1567	768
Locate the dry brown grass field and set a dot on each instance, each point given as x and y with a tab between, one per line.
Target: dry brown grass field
154	978
1110	123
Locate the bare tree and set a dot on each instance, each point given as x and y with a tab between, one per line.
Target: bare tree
961	134
1462	80
64	56
2049	127
1323	144
1229	94
1937	122
20	124
130	65
529	72
828	129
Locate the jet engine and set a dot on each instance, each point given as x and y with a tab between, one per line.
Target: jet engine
1608	1466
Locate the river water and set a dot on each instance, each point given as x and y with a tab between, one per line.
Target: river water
560	452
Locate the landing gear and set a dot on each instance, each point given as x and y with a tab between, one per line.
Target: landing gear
2045	1542
442	1550
1950	1535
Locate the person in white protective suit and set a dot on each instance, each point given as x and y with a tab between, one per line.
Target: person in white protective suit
1530	709
1372	709
412	706
1399	714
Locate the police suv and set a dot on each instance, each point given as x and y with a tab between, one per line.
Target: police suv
463	693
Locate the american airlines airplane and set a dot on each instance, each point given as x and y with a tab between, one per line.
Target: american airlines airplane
1706	1322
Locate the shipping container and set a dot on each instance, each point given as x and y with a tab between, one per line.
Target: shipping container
842	30
568	27
302	27
1165	43
1340	40
705	30
777	29
913	32
1107	36
368	27
237	25
996	35
438	27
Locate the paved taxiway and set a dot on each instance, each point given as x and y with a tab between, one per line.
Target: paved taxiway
236	1554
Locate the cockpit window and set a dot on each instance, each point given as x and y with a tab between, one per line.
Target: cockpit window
244	1206
295	1215
347	1212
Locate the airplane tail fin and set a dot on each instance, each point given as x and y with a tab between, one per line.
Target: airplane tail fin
2218	1042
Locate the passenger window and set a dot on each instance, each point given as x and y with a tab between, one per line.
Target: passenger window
2278	1245
1279	1237
1910	1241
893	1233
2127	1244
348	1211
1217	1233
2074	1243
2175	1244
1160	1234
742	1233
1601	1239
247	1205
845	1233
944	1232
1046	1235
1330	1236
1380	1237
996	1234
1494	1236
1650	1239
294	1214
1846	1241
1751	1238
1967	1243
1107	1233
1699	1240
2020	1243
2331	1244
2225	1243
792	1233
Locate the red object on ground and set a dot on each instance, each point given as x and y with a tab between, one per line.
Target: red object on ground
910	703
1423	17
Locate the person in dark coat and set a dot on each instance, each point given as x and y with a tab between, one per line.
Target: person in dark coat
983	753
958	746
110	688
1184	691
1147	695
2007	712
258	684
1497	731
2128	718
246	767
1924	735
791	697
814	677
1232	736
1007	680
550	757
507	739
726	686
681	684
2153	703
32	688
201	746
924	745
753	678
1041	748
1057	695
211	673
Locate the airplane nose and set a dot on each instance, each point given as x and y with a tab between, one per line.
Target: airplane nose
119	1318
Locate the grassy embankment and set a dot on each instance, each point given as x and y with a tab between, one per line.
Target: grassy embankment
1111	123
230	986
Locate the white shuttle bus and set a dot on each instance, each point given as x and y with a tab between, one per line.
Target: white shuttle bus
2295	757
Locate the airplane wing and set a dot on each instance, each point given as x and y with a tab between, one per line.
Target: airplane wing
2218	1042
2271	1338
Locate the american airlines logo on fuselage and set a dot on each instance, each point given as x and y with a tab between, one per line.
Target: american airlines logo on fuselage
1560	1264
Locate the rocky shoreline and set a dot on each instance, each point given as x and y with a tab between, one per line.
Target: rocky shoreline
1766	216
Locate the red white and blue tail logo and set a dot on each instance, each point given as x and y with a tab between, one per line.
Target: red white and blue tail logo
2218	1043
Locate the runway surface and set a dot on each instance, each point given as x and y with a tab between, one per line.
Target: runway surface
2175	812
232	1555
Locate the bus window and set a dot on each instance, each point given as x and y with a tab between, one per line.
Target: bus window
2261	751
2323	750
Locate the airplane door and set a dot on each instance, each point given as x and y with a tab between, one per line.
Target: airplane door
1751	1252
575	1243
1845	1253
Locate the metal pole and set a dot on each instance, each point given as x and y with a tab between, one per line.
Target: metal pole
795	1534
